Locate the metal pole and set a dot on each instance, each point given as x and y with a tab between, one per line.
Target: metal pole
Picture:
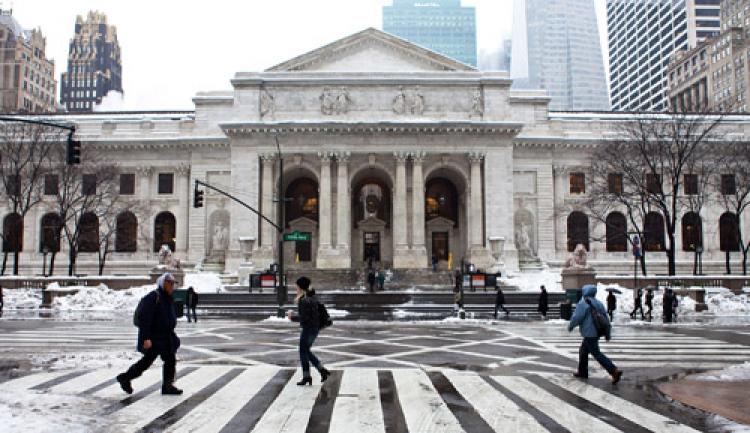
281	294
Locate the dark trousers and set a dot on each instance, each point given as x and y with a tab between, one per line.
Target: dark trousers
590	345
611	315
187	313
306	357
635	310
649	313
168	370
499	307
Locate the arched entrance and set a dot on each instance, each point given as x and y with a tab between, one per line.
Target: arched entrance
372	238
301	214
446	228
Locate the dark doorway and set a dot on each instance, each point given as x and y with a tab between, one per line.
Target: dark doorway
303	250
372	246
440	245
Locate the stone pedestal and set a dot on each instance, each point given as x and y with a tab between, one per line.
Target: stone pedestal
576	278
178	274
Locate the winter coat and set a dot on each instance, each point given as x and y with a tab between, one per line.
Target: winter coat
650	299
543	302
307	311
499	298
611	301
667	304
192	299
638	297
582	317
159	320
381	278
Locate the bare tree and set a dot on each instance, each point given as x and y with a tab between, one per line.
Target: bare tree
698	192
111	210
737	198
24	156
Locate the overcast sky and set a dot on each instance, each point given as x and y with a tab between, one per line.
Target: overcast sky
172	49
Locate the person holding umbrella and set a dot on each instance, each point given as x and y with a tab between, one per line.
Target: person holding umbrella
612	303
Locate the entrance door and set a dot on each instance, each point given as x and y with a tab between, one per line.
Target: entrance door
440	245
372	246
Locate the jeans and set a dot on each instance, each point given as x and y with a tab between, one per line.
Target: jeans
590	345
187	313
168	370
306	357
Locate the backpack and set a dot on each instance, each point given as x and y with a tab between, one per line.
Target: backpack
138	313
323	318
600	322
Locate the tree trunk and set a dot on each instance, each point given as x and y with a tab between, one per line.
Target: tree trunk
52	264
5	263
72	262
744	259
671	256
102	262
643	263
16	256
728	264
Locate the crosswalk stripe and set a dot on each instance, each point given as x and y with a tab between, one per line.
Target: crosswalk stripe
219	409
83	382
713	357
625	409
358	408
290	412
424	409
148	378
566	415
495	408
716	364
145	410
32	380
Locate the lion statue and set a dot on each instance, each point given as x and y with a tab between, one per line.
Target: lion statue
577	259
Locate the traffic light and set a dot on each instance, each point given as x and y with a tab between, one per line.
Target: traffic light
197	198
74	151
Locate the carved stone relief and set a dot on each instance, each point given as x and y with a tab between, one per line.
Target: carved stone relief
218	235
477	104
267	104
335	101
409	102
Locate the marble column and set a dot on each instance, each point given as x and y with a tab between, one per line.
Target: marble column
325	204
561	228
144	192
475	228
144	179
419	251
343	211
268	232
185	200
400	240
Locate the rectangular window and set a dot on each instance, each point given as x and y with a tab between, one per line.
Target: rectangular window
166	183
691	184
14	185
50	184
577	183
89	184
615	183
127	184
728	184
653	183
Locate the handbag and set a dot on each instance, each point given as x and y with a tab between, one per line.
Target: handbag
324	319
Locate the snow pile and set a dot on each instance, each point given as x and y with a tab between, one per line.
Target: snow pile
530	282
43	413
729	374
275	319
100	298
728	304
22	299
204	282
403	314
89	360
337	314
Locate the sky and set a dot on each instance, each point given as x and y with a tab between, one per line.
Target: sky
172	49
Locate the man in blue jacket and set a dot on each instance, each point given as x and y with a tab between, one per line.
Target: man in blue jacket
590	345
156	337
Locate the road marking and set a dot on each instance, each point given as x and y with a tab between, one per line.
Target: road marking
290	412
147	379
84	382
424	409
357	408
32	380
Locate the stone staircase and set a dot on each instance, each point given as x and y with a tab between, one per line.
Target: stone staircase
423	279
530	264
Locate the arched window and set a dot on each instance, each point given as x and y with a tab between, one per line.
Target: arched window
126	233
164	231
372	200
50	239
654	232
88	239
578	230
303	195
617	232
441	200
729	232
692	231
12	233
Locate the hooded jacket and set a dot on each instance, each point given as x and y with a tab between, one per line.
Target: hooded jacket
582	316
159	320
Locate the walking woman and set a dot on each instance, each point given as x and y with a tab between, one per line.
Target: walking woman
309	321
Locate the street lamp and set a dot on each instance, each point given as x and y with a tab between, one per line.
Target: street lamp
281	294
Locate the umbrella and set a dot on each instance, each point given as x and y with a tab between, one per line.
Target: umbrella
612	289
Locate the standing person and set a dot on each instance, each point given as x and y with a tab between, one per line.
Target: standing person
666	306
638	304
2	302
191	303
499	302
381	279
584	319
650	304
611	305
434	263
371	280
543	303
309	321
675	306
156	336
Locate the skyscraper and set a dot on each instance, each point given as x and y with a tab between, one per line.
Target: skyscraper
643	36
563	55
27	76
94	65
440	25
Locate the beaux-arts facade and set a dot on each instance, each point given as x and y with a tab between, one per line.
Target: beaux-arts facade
391	153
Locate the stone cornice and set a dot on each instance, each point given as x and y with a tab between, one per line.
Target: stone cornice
247	128
249	80
135	143
556	142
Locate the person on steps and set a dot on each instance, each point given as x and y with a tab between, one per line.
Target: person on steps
543	303
500	302
191	302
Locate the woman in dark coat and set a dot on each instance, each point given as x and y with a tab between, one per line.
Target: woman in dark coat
191	302
667	306
543	303
611	305
309	321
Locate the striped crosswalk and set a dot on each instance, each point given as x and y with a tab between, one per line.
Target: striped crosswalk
265	399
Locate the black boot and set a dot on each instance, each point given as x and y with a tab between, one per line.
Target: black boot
124	383
324	374
170	389
305	381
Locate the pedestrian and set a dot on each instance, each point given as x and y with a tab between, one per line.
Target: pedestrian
369	259
611	305
191	303
638	304
371	280
309	320
584	319
666	306
2	302
543	303
156	337
381	279
499	302
650	303
434	263
675	306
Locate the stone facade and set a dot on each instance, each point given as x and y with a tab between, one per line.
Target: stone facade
423	158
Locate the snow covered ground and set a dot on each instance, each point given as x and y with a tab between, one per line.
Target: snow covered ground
551	279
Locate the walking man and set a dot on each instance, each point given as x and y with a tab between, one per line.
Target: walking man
611	305
381	279
499	302
191	303
371	280
650	304
667	306
543	303
156	337
638	304
583	318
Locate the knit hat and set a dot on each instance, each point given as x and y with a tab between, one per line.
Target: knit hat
165	277
303	283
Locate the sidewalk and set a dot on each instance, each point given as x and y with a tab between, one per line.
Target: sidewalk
727	399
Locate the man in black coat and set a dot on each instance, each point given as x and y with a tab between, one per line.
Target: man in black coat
499	302
650	304
371	280
156	337
191	303
667	306
638	304
611	305
543	303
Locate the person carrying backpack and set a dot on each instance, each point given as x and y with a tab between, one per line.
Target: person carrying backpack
156	319
308	315
591	317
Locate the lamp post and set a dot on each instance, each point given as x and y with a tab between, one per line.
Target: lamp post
45	251
281	292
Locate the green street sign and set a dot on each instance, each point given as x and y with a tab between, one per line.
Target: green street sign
296	236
